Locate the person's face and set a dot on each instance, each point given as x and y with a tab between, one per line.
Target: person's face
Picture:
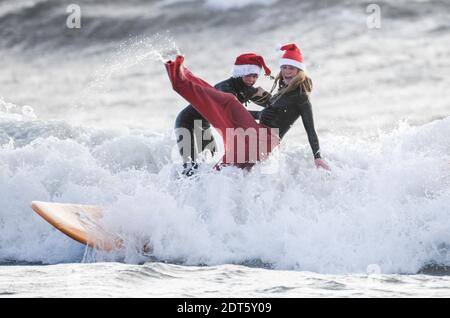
288	72
250	79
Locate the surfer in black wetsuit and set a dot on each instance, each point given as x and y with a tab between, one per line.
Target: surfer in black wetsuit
193	131
292	100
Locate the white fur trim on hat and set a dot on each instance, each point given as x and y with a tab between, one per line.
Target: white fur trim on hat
295	63
246	69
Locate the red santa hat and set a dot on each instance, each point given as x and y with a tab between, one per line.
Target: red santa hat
249	63
292	56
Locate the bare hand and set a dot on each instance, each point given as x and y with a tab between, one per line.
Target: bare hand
320	163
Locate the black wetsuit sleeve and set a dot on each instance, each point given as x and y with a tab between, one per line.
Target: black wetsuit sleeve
225	87
308	123
256	114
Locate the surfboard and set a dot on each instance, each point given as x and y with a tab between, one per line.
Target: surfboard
80	222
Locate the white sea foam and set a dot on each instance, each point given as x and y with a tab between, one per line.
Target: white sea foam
385	202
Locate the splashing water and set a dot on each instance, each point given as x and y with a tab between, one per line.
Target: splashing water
130	53
387	204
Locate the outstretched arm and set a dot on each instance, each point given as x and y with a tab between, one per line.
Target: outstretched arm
308	123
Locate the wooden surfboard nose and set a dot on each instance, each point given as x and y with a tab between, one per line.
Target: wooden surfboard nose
80	222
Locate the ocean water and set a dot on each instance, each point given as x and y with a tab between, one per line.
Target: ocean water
86	116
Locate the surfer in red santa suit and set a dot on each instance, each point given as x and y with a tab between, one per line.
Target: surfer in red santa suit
193	131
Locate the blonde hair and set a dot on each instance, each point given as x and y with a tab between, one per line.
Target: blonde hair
300	81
